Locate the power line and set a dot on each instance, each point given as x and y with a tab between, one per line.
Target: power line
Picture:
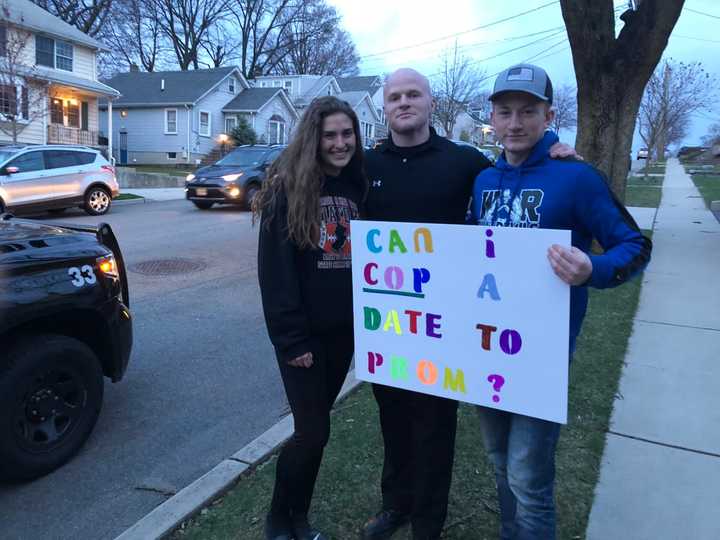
461	33
480	44
696	38
701	13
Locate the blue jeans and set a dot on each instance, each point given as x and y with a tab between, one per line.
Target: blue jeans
522	450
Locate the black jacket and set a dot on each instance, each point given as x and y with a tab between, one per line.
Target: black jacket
430	183
308	292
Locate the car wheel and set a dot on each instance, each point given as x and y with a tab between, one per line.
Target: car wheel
203	205
97	201
250	195
51	392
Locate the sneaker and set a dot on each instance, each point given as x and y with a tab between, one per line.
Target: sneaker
277	528
383	525
303	530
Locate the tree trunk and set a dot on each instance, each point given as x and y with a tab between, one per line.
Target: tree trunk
612	73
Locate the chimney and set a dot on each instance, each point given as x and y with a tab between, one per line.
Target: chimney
162	85
134	68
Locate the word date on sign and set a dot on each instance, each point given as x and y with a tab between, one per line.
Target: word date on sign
464	312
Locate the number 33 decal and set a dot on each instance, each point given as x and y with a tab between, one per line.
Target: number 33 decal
82	275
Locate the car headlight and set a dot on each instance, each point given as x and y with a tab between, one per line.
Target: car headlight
231	177
107	266
190	177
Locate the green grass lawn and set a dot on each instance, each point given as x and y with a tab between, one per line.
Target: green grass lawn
653	167
348	485
126	196
647	196
708	186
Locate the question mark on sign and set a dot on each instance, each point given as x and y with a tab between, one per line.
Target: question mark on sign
497	381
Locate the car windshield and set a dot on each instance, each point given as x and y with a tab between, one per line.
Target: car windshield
243	157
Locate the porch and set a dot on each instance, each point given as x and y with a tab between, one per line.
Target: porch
59	134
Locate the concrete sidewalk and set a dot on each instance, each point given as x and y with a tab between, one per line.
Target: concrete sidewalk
660	473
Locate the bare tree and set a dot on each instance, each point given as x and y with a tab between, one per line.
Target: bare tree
23	97
261	26
673	93
135	35
316	44
565	105
186	24
612	73
713	135
454	87
89	16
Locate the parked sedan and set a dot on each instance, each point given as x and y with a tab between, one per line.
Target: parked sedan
642	153
235	179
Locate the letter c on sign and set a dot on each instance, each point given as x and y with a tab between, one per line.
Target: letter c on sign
369	267
372	246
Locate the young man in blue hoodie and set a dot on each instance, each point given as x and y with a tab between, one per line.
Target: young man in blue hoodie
527	189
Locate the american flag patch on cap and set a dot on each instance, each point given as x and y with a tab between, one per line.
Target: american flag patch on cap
520	74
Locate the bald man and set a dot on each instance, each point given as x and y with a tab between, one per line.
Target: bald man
417	176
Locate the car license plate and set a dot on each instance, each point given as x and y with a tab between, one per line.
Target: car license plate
201	192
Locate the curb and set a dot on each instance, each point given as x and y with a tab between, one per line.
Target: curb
124	202
187	502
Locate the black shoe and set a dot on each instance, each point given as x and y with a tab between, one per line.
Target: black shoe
278	528
383	525
303	530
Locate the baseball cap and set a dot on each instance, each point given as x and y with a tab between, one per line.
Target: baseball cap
524	78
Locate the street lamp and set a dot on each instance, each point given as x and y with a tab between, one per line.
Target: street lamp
223	138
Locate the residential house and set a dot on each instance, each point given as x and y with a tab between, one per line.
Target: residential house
178	116
48	71
470	128
302	89
373	85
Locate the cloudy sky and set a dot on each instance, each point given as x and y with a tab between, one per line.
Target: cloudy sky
386	33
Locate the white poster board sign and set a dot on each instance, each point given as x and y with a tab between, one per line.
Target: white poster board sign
465	312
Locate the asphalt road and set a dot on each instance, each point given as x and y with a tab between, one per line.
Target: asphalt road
202	380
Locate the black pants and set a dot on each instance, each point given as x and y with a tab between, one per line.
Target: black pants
419	434
311	393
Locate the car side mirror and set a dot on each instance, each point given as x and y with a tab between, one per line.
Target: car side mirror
12	170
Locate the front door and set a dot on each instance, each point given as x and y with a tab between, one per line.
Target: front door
123	148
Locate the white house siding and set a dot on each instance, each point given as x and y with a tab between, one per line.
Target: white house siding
365	116
83	62
277	107
147	142
213	103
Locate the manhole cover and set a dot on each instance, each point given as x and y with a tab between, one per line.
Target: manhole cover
166	267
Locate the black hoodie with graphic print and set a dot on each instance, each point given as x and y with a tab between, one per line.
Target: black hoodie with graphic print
308	292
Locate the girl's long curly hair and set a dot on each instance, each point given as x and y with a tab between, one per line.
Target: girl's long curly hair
298	173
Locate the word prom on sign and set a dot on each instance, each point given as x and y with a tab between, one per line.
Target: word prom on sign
462	312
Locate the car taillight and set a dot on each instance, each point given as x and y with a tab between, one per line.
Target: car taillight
108	168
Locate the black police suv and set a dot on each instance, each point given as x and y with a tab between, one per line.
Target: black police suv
235	179
65	324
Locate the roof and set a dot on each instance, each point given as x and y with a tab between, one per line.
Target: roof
367	83
26	14
144	89
63	77
251	99
353	98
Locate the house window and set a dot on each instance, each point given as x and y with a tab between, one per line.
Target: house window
263	84
230	124
63	56
8	99
3	40
231	85
170	121
172	155
73	113
54	54
56	112
276	130
288	85
277	84
10	105
204	123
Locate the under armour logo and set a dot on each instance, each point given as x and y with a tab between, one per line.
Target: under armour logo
377	183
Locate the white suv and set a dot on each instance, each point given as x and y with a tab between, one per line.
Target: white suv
36	178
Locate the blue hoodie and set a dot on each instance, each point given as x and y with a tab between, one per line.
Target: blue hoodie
570	195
